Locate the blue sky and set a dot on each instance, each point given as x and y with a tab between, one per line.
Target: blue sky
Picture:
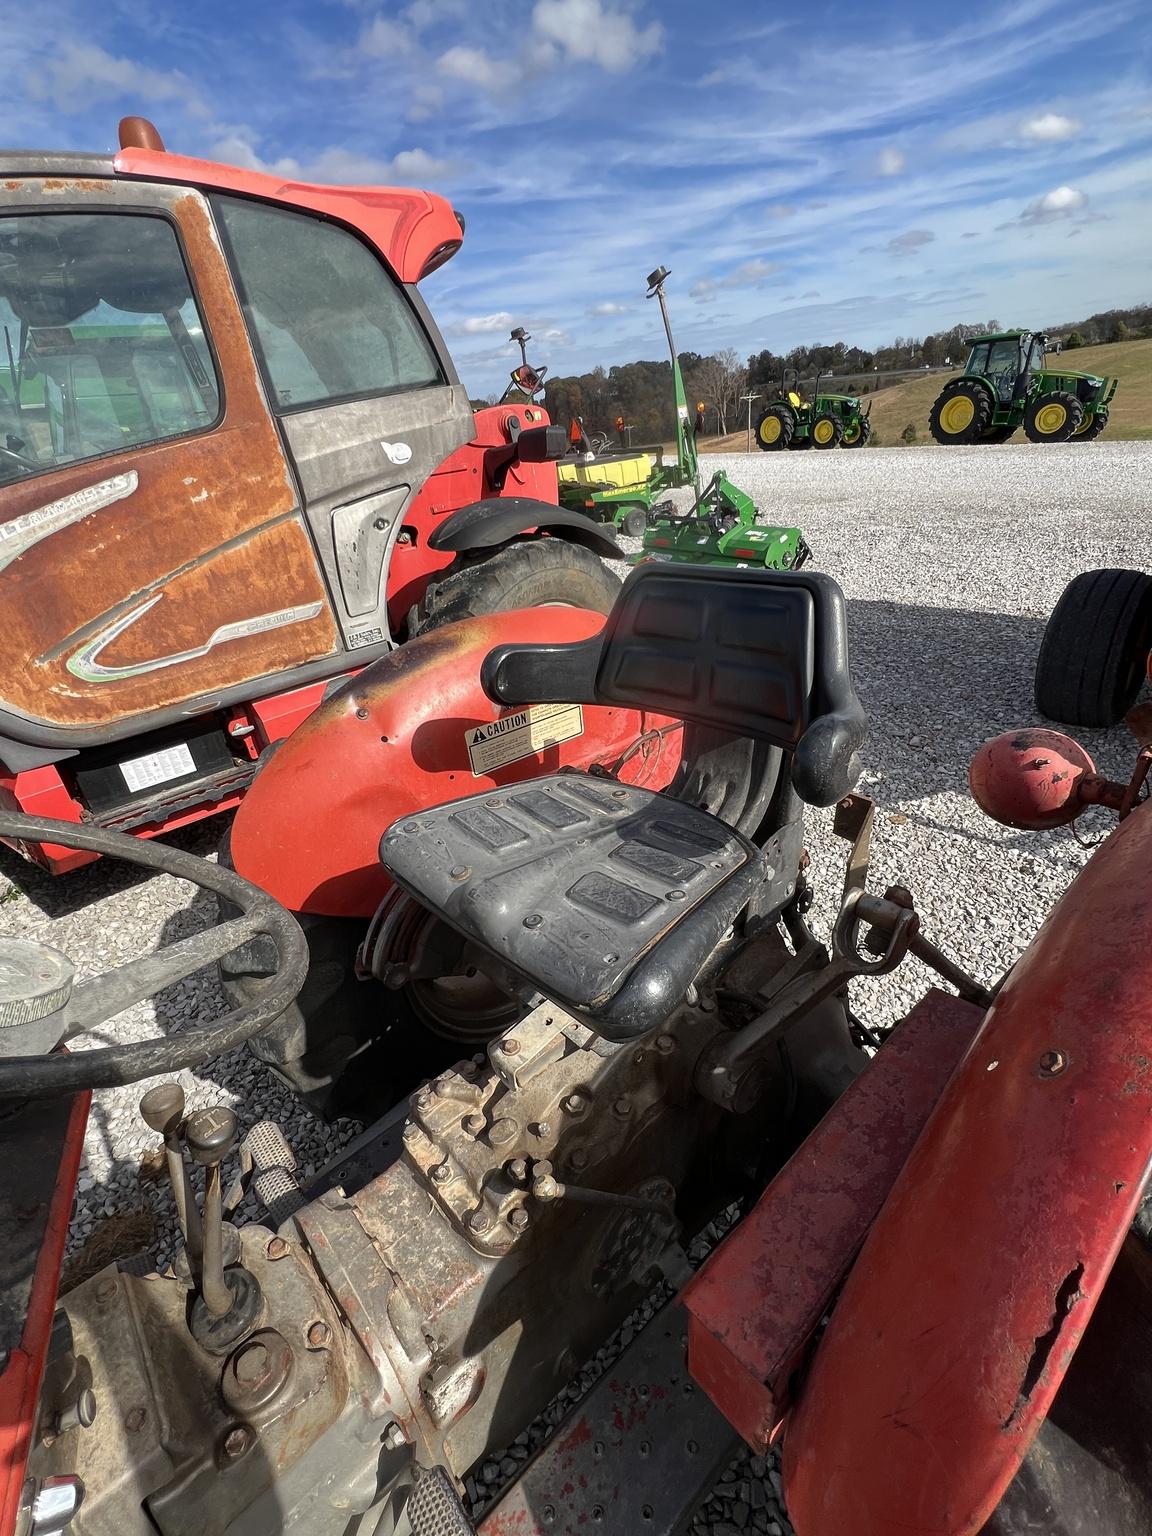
810	173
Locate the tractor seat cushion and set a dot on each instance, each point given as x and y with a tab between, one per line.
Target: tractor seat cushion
606	898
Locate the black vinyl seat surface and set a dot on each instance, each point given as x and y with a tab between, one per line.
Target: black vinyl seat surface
606	898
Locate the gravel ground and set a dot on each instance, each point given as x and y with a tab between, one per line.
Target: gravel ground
951	561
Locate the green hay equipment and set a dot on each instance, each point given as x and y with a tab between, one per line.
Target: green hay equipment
825	421
1008	383
622	488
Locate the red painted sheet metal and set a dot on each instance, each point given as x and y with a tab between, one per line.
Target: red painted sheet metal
959	1319
393	741
755	1304
20	1381
406	226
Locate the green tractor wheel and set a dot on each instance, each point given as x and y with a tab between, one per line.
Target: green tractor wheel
962	413
1093	424
1053	418
633	522
826	430
775	429
856	433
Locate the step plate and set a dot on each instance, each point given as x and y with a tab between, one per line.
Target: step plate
639	1454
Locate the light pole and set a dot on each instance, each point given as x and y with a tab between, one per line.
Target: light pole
749	398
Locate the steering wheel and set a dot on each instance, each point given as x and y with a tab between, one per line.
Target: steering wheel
93	1002
18	458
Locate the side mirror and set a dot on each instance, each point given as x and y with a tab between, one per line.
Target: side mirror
537	445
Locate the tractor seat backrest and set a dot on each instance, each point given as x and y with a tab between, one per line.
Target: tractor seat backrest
752	652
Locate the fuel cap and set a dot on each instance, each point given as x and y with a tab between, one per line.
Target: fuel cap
35	984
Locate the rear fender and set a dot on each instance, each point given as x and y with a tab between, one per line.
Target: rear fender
486	524
974	1287
395	740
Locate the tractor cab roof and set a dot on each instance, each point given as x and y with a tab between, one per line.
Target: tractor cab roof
416	231
972	341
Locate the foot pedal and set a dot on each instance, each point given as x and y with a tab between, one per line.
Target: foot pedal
273	1165
434	1507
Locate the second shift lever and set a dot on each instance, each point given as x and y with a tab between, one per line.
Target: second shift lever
210	1135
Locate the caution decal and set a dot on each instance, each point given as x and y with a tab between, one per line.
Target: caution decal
521	734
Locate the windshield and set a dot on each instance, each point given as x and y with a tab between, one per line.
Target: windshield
101	343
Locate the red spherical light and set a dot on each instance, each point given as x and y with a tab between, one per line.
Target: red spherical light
1029	778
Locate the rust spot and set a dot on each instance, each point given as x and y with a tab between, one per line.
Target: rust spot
1068	1294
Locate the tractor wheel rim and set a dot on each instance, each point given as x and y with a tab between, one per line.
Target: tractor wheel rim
823	432
1089	418
770	429
958	414
1050	418
850	434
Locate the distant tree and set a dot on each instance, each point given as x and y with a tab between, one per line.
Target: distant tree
909	433
1119	332
1074	340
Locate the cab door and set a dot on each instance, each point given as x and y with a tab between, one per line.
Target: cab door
153	555
367	399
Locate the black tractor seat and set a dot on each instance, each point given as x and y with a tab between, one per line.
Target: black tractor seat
606	898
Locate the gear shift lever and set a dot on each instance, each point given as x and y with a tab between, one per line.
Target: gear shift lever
211	1135
162	1108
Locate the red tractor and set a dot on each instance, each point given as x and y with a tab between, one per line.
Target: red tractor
939	1293
236	465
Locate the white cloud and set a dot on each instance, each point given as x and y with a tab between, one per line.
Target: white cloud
911	241
779	211
384	39
337	165
889	162
477	67
80	73
749	274
590	32
558	338
608	308
1060	203
561	31
1050	128
481	325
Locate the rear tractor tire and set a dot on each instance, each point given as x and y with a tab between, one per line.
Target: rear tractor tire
1053	418
1091	427
1094	655
962	414
857	433
826	431
775	429
525	575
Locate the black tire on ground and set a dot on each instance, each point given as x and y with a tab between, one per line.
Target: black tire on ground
857	439
801	442
826	430
523	575
779	424
1052	418
998	435
1098	420
634	522
1094	653
950	423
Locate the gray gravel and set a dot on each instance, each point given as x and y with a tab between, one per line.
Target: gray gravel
951	560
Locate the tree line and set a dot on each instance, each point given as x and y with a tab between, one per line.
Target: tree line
641	393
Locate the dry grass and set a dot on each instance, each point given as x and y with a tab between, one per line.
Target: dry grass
893	409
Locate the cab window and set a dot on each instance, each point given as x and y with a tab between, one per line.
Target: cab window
102	346
328	318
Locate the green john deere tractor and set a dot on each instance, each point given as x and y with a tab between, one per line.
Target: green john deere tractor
1006	383
825	421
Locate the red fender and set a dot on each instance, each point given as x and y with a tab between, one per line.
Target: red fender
974	1287
394	740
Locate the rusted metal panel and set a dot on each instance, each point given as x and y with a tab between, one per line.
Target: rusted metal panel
976	1283
154	550
757	1301
638	1454
393	741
